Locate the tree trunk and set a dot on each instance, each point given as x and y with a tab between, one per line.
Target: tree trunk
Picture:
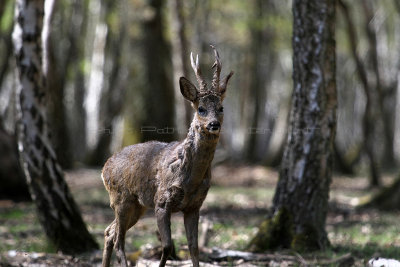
113	93
55	74
57	211
158	114
257	93
341	163
201	38
369	117
300	203
260	123
385	110
180	59
76	115
12	180
97	32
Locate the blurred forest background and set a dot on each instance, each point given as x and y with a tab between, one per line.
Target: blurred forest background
112	70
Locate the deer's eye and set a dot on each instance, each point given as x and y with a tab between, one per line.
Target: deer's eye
221	110
202	111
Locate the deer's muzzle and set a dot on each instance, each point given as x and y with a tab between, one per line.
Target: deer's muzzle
214	127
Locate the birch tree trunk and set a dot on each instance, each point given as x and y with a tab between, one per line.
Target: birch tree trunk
113	92
95	80
57	211
300	203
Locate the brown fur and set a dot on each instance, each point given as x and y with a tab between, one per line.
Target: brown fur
168	177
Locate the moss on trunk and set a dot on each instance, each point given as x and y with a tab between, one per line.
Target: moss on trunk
275	232
278	232
307	240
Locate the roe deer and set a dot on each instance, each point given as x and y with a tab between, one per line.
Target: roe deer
168	177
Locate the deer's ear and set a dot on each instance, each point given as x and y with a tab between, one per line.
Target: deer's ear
188	90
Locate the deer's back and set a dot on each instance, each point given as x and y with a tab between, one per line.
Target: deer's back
131	173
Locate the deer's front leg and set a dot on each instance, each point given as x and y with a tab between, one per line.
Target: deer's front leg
191	219
163	215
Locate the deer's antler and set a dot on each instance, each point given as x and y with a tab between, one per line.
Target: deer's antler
218	86
217	72
196	69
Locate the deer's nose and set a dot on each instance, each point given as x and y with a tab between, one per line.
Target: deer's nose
214	126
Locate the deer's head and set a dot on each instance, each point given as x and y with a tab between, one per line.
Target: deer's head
207	102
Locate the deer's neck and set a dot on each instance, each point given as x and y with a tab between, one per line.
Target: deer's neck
198	153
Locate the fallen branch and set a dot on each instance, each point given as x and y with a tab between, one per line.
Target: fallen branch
218	254
345	260
187	263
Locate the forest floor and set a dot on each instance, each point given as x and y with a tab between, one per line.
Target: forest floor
237	202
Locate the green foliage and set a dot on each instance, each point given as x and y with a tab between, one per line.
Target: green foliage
12	214
113	20
84	66
130	135
6	21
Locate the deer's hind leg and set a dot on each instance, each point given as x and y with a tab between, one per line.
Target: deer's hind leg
126	215
108	244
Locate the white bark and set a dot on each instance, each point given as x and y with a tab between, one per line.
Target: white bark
48	13
94	83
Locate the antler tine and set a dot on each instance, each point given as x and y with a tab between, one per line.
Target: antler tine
196	69
217	65
192	61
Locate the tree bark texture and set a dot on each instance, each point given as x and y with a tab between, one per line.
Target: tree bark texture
300	203
57	211
158	116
